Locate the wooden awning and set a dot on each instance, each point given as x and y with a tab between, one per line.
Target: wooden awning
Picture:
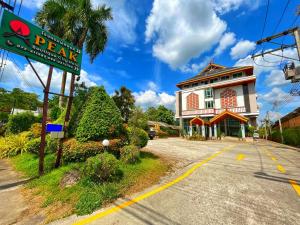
198	121
227	114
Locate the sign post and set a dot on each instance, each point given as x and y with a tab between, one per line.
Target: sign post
23	38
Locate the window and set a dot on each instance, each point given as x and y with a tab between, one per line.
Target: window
195	85
237	75
186	86
192	101
209	104
225	78
209	93
214	80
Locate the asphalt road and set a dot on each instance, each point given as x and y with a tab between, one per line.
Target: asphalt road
214	182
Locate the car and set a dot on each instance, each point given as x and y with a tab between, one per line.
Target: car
255	136
151	134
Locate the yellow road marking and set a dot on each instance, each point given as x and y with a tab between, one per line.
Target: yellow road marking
295	186
150	193
273	158
240	157
281	168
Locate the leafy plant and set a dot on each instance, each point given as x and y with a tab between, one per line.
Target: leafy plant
13	144
74	151
196	137
130	154
137	137
36	129
101	118
20	122
162	134
102	167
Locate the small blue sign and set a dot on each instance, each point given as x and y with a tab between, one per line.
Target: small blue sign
54	127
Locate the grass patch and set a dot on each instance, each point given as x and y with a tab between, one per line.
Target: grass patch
86	196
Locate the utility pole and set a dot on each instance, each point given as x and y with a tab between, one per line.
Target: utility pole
266	133
280	128
297	39
44	121
269	124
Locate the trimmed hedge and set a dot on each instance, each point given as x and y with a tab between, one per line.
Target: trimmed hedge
291	136
101	118
101	168
20	122
130	154
137	137
74	151
33	145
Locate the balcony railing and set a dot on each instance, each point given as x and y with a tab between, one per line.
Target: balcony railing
212	111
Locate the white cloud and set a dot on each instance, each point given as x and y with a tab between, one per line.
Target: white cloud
26	79
152	86
241	49
268	62
150	98
274	115
119	59
276	78
276	94
227	40
224	6
188	29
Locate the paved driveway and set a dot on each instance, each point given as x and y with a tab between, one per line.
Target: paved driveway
214	183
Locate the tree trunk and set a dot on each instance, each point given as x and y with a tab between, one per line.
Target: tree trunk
62	89
66	122
43	133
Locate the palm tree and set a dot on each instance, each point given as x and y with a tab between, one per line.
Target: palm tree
78	22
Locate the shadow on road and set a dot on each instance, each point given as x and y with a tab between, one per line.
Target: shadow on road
266	176
14	184
145	214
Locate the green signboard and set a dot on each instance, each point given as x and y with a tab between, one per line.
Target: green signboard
23	38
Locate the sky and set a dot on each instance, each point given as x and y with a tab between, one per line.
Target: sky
153	45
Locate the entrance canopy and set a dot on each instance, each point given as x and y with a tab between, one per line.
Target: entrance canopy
227	114
198	121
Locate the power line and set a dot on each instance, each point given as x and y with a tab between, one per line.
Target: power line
265	20
281	17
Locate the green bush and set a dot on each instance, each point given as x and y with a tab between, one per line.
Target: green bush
137	137
13	144
291	136
162	134
101	118
196	137
36	129
102	167
33	145
170	131
74	151
130	154
20	122
55	112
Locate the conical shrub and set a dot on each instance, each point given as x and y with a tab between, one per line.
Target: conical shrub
101	118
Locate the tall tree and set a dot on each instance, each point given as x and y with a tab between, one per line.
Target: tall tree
161	114
125	102
76	21
82	24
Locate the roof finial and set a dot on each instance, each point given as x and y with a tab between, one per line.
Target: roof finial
211	61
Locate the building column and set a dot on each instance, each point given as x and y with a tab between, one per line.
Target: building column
197	128
210	132
191	130
225	127
203	131
215	131
243	130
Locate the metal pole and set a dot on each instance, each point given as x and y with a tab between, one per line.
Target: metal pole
66	122
297	39
44	121
280	127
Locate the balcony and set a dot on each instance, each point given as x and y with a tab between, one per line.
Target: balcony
212	111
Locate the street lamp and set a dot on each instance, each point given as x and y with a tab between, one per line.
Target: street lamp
105	143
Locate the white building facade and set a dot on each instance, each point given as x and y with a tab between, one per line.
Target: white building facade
218	90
